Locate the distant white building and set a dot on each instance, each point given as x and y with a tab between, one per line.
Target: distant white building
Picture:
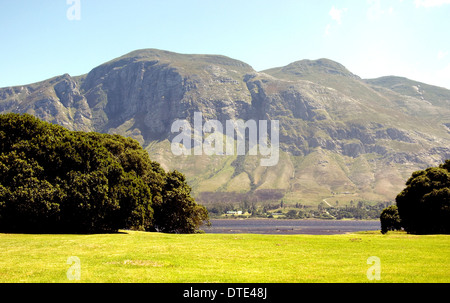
233	212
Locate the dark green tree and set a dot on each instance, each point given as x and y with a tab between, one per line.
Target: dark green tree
56	180
292	214
424	205
178	212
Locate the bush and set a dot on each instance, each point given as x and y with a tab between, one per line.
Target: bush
56	180
390	220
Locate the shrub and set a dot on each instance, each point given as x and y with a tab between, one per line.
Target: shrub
390	220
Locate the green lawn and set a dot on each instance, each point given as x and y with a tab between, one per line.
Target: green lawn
156	257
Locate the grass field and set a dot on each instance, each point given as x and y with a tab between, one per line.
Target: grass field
154	257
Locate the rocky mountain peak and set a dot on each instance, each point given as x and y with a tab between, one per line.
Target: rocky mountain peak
366	135
311	69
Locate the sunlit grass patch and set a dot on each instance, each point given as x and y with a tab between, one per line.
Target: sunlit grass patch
156	257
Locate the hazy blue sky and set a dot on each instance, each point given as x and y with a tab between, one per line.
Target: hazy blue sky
372	38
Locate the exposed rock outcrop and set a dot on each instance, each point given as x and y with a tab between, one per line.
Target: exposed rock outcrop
322	107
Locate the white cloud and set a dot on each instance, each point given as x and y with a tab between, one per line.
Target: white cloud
327	29
431	3
336	14
442	54
375	11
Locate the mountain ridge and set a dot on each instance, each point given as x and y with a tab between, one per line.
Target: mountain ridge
303	68
338	133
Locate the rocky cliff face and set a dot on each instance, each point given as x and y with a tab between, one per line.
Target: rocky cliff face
338	133
57	100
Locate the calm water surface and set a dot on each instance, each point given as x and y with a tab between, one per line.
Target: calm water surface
290	227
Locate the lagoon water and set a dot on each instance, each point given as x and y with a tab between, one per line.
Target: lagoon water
290	227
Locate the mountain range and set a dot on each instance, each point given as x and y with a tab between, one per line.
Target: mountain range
342	138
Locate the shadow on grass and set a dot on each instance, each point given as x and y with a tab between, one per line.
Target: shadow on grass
17	232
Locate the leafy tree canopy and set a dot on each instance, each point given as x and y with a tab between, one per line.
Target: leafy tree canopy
424	205
56	180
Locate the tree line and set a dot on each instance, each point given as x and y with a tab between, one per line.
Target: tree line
361	210
56	180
